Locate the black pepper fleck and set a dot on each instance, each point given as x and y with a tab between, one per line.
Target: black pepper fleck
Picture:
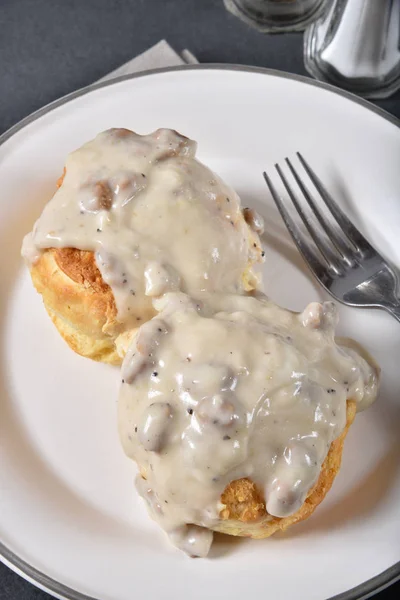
331	391
135	429
190	411
155	374
263	253
227	200
255	245
123	380
226	437
159	329
138	318
232	223
124	281
99	230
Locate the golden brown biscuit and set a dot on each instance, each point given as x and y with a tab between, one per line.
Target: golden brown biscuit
78	301
244	512
72	289
82	306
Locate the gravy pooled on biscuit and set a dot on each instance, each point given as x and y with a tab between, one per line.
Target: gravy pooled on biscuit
233	388
156	218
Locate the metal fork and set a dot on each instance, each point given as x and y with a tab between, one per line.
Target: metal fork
342	260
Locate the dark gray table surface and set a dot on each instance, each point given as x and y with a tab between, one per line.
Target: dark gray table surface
49	48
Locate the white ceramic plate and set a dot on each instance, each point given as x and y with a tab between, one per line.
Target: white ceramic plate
69	517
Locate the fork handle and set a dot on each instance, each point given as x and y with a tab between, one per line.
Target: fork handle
394	311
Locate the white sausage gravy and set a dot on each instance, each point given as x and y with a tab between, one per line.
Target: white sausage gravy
228	388
218	386
156	218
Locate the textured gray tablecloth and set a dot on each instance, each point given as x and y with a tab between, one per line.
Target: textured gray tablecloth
49	48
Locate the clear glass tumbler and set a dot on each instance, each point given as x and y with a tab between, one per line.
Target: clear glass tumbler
276	16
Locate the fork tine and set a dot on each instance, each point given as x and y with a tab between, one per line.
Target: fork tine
354	236
326	252
340	243
311	259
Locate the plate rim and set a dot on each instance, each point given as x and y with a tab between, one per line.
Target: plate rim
8	557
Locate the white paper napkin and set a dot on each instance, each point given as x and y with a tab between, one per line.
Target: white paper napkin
158	56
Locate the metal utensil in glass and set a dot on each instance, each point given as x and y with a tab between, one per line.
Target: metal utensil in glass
339	256
276	15
356	45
